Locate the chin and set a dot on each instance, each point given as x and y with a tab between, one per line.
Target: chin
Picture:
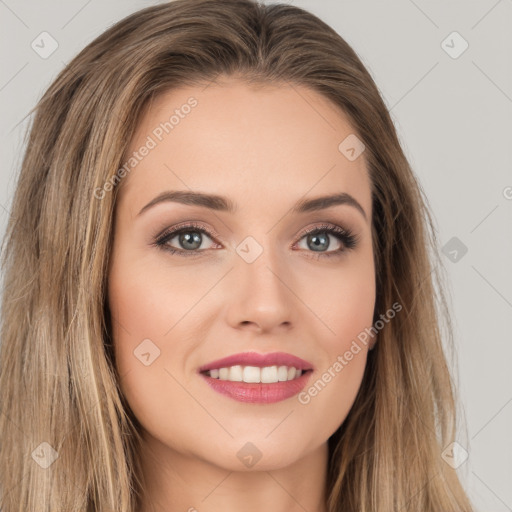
248	453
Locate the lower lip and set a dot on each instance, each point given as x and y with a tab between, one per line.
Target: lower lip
257	392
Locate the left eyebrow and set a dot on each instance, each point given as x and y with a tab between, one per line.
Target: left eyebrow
322	202
220	203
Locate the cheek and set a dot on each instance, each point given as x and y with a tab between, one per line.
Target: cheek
147	299
333	388
141	314
351	319
351	308
144	311
346	308
342	297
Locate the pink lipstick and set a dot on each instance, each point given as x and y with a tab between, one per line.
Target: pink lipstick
257	378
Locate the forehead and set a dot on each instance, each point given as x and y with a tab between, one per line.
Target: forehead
241	140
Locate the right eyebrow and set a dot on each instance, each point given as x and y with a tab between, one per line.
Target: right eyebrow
211	201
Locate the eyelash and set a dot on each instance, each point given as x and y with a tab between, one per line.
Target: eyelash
345	236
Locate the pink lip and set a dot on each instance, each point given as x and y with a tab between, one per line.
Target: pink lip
260	360
258	392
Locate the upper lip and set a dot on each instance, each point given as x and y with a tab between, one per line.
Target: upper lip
260	360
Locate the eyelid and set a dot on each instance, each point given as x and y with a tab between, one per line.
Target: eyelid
344	235
212	233
323	226
190	225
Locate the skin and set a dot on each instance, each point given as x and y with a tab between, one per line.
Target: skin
264	148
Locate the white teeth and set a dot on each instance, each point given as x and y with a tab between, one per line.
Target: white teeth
235	373
252	374
269	374
255	374
282	373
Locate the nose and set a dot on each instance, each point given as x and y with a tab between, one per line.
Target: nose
261	296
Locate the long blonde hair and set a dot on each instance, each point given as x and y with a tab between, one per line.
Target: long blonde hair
68	440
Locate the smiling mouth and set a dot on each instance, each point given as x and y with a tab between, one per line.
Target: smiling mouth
257	385
255	374
252	377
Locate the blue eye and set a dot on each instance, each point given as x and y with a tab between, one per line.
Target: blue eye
318	239
190	238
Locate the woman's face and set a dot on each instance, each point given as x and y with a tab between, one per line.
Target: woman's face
246	277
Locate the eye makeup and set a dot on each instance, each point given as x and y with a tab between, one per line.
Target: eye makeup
347	239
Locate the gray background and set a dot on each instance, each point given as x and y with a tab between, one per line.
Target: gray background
453	116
